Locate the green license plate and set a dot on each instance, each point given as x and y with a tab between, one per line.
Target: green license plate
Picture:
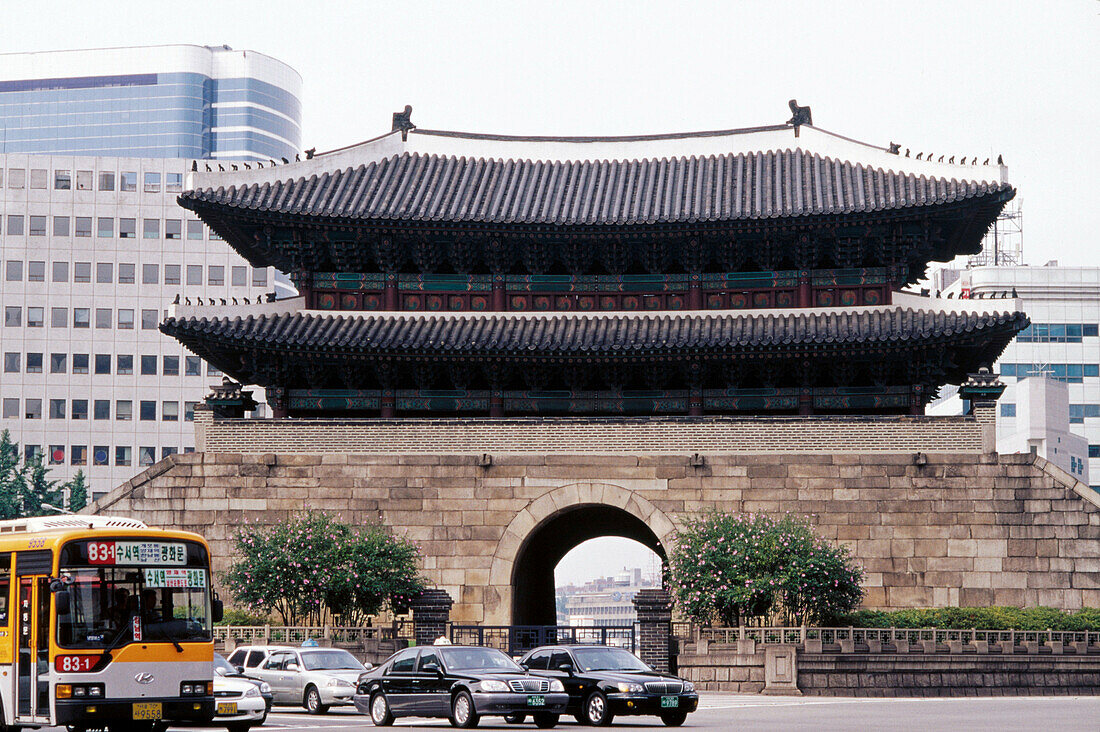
536	701
670	702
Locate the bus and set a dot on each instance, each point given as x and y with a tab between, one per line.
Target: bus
112	624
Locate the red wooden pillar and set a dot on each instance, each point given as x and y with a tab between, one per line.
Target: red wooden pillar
916	402
500	296
389	403
496	403
695	402
389	294
805	401
695	292
278	401
805	292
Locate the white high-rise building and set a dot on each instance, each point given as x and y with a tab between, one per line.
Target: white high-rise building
94	251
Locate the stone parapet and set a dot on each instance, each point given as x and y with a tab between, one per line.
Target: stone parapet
654	611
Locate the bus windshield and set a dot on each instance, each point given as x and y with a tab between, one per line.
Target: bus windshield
109	606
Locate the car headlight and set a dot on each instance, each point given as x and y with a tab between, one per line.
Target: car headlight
338	682
556	685
265	688
688	686
631	688
493	685
252	692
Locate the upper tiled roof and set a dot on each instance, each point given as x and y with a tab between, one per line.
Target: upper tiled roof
745	185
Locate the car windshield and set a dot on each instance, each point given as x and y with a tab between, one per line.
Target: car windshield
608	659
330	661
477	659
220	664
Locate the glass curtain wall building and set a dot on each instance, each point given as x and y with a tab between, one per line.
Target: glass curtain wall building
150	102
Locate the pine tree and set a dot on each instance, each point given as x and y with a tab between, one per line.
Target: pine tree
12	478
78	492
38	489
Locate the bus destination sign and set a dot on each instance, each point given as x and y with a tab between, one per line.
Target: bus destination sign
184	578
136	552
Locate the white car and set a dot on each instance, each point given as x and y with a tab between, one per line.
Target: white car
316	678
238	704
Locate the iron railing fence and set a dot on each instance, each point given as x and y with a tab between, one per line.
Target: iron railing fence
298	634
931	638
518	639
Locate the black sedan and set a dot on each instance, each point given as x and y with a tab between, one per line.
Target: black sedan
603	682
463	683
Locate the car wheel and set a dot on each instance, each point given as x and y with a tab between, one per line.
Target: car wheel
673	719
380	712
313	703
238	727
515	718
462	711
595	711
580	718
545	720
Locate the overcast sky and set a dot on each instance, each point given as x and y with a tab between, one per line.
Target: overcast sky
955	78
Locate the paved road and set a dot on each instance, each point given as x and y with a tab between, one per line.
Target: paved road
750	712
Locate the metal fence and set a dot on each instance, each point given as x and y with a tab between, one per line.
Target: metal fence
518	639
298	634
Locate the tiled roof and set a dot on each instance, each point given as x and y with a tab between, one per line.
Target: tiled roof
754	185
626	336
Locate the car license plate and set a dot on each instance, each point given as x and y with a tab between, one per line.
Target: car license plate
148	710
670	702
227	708
536	701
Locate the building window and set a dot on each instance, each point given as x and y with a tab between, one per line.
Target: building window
57	409
1094	450
36	317
107	181
128	182
32	409
36	271
38	178
124	364
127	228
1008	409
57	454
239	276
34	363
81	317
32	453
99	455
148	365
212	370
173	182
38	226
105	227
84	180
147	411
126	273
101	409
83	226
102	363
150	229
13	270
171	274
172	228
125	319
60	271
123	455
189	411
80	409
148	319
15	225
167	451
124	410
80	363
194	229
215	275
171	366
78	455
11	409
215	236
259	276
58	363
192	366
152	182
11	363
82	272
17	177
194	274
102	317
13	316
61	225
62	180
104	273
147	456
59	317
150	274
169	411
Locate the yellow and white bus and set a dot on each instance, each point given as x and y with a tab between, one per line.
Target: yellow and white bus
104	622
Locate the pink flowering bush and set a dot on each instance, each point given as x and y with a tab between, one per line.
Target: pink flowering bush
313	567
730	568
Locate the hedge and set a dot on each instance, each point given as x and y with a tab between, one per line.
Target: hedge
982	618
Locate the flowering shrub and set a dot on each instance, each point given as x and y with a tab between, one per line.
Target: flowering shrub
313	567
730	567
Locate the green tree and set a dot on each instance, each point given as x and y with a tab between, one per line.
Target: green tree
312	567
12	478
38	489
78	492
730	567
25	484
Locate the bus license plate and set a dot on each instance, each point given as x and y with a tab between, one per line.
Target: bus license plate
227	708
536	701
669	702
148	710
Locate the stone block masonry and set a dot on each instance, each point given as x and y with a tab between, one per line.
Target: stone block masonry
934	529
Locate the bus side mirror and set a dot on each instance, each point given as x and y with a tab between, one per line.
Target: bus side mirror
217	610
61	602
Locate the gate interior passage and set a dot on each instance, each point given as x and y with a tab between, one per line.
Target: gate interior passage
515	640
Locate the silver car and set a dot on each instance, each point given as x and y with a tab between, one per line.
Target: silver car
316	678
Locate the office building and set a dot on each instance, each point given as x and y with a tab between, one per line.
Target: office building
151	102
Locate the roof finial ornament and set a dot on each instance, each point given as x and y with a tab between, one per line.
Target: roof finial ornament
801	116
894	149
310	153
403	121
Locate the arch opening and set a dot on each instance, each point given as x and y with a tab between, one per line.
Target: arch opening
533	597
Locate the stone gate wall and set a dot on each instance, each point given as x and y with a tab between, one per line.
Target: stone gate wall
930	529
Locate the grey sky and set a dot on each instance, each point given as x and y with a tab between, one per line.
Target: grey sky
953	78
